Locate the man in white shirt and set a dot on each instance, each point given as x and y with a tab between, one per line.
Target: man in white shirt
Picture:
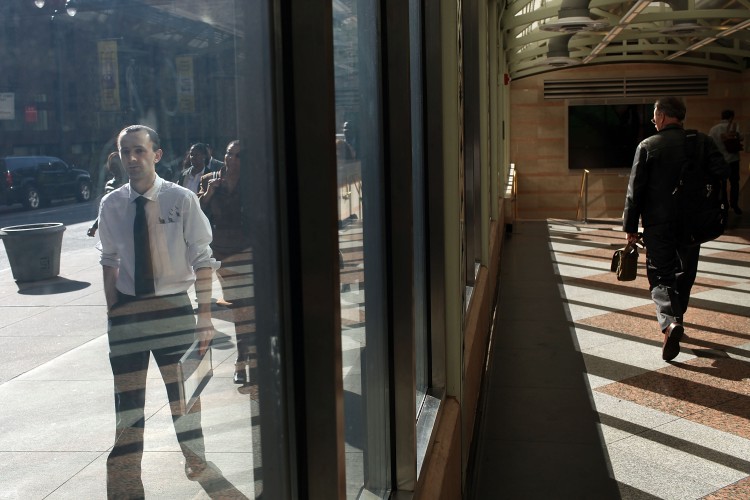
732	159
147	303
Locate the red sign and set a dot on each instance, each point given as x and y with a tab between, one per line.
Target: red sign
30	114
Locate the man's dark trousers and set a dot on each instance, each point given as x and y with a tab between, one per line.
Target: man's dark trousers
734	184
164	327
671	269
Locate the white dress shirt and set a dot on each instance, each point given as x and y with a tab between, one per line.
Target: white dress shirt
715	134
179	234
193	179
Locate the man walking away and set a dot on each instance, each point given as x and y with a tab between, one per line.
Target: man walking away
671	267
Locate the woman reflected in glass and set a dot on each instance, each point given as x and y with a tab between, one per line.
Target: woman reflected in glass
220	199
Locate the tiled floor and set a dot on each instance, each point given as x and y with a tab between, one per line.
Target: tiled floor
578	402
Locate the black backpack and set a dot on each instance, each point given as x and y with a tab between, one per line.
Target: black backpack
699	197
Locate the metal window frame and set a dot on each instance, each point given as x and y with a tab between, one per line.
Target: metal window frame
435	174
400	222
419	204
310	270
310	301
472	138
376	358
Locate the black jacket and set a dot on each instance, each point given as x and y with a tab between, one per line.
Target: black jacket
656	171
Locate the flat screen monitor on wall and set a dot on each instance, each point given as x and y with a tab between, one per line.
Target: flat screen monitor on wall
606	135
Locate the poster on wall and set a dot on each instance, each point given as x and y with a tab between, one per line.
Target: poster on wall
109	79
185	87
7	106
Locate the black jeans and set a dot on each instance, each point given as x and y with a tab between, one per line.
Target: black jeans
671	269
164	327
235	278
734	183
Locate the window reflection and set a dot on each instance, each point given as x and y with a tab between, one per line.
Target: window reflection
68	85
420	248
359	165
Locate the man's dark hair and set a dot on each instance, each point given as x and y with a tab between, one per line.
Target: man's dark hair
203	148
727	114
138	128
671	106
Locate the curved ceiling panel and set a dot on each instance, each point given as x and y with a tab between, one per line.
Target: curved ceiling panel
544	35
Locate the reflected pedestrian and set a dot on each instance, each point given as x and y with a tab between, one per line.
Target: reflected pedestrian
201	163
220	198
154	246
119	177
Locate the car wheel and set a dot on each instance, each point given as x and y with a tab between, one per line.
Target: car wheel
84	191
32	199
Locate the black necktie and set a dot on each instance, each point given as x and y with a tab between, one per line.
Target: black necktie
144	272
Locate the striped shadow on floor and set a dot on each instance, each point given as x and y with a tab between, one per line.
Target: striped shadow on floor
578	402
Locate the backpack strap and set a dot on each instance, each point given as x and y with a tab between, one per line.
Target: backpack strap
690	139
693	140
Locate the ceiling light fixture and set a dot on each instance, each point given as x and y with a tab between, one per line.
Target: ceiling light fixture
558	54
574	25
706	41
574	17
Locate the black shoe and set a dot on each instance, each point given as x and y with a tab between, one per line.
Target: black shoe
737	210
240	373
672	336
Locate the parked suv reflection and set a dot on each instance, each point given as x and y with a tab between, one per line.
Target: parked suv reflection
35	181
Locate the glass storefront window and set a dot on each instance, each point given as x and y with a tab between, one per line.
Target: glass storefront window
198	73
363	314
420	247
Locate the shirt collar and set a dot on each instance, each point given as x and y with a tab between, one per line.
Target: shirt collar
151	193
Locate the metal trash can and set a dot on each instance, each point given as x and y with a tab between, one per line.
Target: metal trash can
33	250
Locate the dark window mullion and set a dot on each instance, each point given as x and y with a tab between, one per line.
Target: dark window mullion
310	184
472	138
400	227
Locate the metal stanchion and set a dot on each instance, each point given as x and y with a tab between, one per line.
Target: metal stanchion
583	197
515	195
586	198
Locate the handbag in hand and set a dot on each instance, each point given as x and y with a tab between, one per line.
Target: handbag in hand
625	262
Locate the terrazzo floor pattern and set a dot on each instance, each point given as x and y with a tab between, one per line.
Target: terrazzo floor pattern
677	429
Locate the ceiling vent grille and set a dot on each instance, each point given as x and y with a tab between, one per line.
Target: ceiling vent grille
626	87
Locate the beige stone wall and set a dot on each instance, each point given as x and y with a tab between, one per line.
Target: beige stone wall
538	137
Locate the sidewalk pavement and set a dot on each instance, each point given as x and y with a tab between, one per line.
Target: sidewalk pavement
57	419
